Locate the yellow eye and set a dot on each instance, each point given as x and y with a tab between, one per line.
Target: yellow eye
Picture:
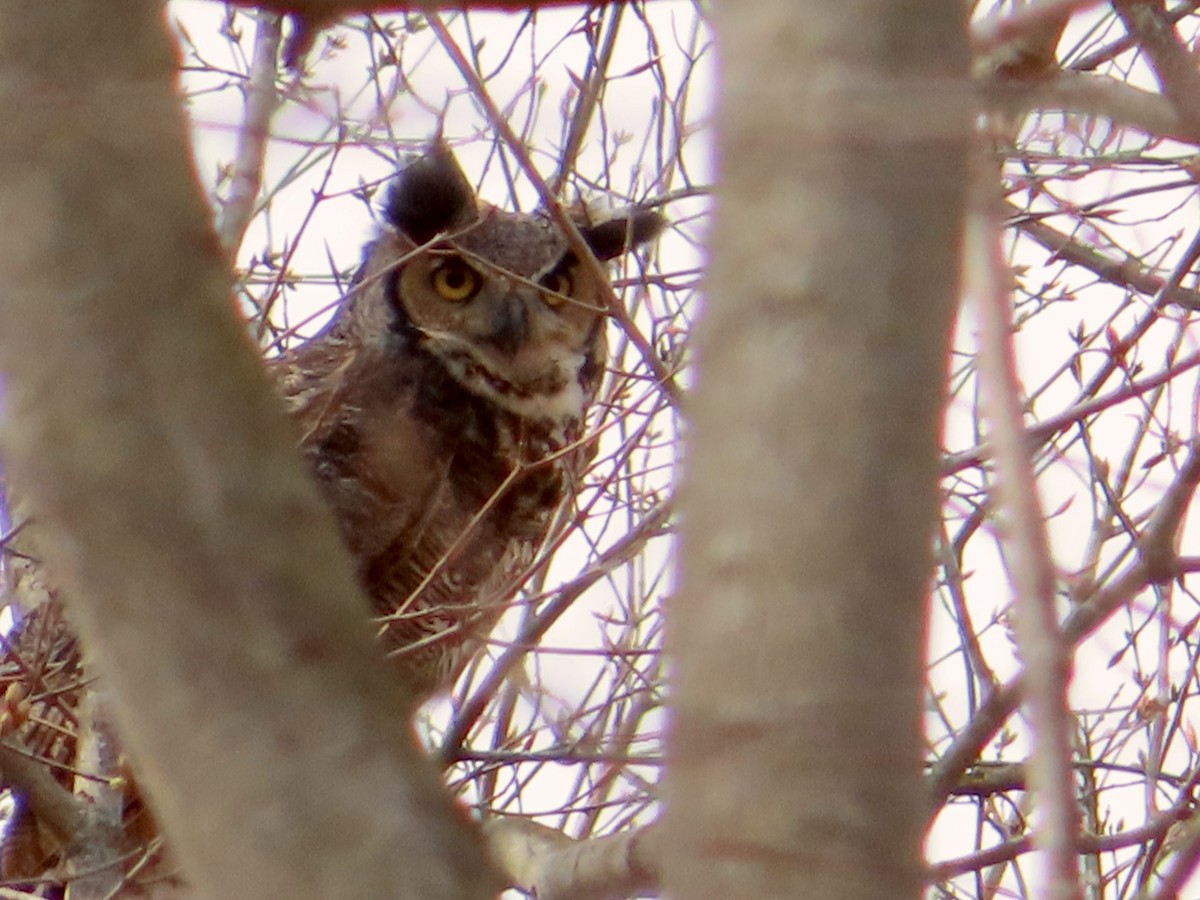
455	281
556	284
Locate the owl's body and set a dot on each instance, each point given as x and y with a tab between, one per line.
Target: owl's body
442	410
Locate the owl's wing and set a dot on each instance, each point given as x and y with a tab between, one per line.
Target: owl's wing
309	378
379	467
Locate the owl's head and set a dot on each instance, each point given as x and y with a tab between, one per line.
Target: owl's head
499	298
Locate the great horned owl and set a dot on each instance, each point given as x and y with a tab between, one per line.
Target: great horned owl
442	409
442	412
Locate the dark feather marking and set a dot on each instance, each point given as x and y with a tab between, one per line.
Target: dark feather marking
610	239
430	196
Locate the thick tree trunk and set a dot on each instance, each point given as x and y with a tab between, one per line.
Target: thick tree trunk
811	486
198	563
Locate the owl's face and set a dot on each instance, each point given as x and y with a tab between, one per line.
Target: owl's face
499	298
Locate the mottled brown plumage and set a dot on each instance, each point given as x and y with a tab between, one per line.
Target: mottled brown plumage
442	409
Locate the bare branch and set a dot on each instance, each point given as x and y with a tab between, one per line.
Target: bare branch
1158	544
1021	44
550	866
1127	273
1045	653
261	101
994	31
335	9
1173	63
1099	95
1086	843
1095	605
591	89
60	810
620	553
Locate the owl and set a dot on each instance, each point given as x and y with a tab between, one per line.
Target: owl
442	413
442	410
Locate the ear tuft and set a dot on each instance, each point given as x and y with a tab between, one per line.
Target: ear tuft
634	227
429	196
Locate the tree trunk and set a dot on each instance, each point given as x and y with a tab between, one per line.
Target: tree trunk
198	564
811	485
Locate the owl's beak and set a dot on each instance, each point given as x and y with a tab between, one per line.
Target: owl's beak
509	326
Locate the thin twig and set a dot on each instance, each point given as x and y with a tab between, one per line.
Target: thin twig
1127	273
261	102
591	89
55	807
1046	654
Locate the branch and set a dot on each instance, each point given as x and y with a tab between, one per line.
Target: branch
1124	104
1024	23
550	866
328	10
1083	844
1172	62
591	88
1186	853
1095	95
57	808
1052	426
203	572
1156	561
310	16
1022	43
1127	273
261	102
1047	656
1157	545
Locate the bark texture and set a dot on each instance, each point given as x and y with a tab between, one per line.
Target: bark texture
172	508
811	486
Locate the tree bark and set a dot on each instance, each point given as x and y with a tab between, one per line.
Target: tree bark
810	491
199	565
